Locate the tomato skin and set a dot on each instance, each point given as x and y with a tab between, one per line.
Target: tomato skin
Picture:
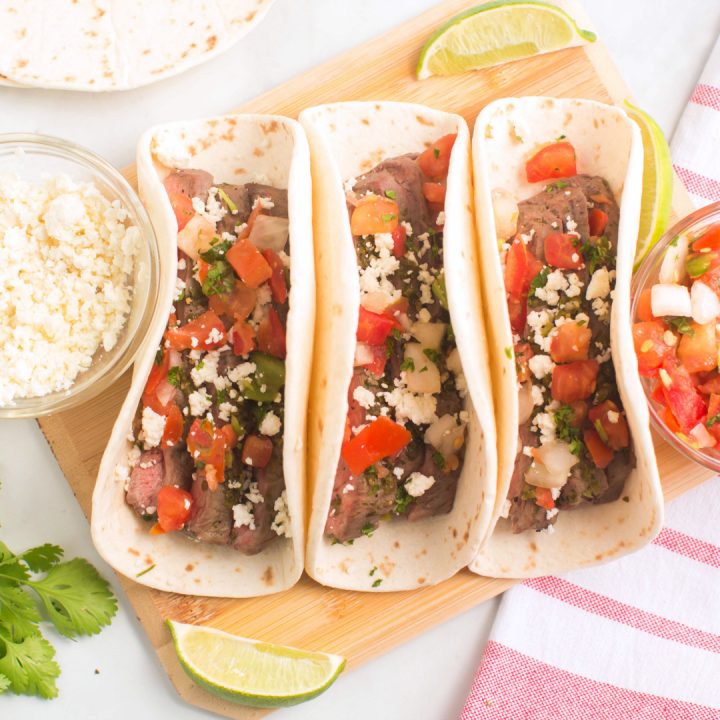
551	162
245	232
257	450
206	445
698	351
560	251
237	305
711	385
230	436
712	411
243	338
182	207
399	235
598	220
435	160
434	192
173	508
202	270
650	346
271	335
681	396
517	309
544	498
374	214
644	306
600	453
200	329
249	264
174	424
158	373
671	421
574	381
618	435
374	328
378	440
516	267
572	342
277	279
709	240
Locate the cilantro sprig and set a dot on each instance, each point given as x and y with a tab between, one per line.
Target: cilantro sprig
73	596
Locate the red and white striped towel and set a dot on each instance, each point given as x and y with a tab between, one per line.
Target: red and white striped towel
638	639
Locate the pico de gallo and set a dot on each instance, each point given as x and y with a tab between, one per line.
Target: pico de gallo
675	334
403	446
559	270
208	432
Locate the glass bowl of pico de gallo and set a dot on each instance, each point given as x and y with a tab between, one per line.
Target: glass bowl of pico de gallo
676	333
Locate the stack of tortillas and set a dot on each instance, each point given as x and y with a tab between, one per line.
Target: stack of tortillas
115	44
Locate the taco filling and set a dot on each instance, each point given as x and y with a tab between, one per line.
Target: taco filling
403	448
208	432
574	445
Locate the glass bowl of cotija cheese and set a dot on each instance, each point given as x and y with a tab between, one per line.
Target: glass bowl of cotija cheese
78	275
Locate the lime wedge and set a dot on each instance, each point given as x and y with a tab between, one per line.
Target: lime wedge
250	672
498	32
657	183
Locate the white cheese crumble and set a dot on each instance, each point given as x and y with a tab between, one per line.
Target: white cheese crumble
270	424
206	370
212	210
555	284
541	365
575	285
153	426
66	258
253	494
374	278
281	524
242	515
537	395
199	403
538	320
363	397
440	218
418	484
241	371
599	285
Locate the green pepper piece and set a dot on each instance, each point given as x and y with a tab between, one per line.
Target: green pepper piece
439	290
267	380
698	265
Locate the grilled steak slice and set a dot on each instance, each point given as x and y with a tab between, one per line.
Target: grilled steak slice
402	176
617	473
211	517
146	479
522	461
526	515
439	498
240	197
271	483
598	194
193	183
178	467
278	197
191	303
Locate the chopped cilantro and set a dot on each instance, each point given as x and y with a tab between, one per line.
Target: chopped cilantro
368	529
527	493
508	353
373	571
159	355
560	137
408	364
436	152
388	217
557	185
565	430
439	290
439	459
432	355
681	324
390	194
377	582
216	251
220	279
232	207
175	376
540	280
598	253
674	241
711	421
402	500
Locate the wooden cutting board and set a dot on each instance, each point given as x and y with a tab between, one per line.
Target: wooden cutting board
356	625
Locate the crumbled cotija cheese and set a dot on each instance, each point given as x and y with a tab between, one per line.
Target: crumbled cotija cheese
66	256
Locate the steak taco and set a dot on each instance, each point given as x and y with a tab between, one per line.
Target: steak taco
557	199
204	472
402	444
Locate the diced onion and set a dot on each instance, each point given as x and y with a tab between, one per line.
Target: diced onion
165	392
445	435
505	210
453	362
269	232
377	301
672	269
196	236
429	335
705	303
425	378
363	355
702	437
553	462
525	402
175	358
670	299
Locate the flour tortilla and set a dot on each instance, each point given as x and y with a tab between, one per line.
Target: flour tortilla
234	149
347	139
116	44
608	144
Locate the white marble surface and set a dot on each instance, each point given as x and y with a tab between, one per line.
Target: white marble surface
660	47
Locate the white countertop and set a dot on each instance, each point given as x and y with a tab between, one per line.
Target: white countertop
660	47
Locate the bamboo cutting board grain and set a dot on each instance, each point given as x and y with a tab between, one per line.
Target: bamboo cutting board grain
356	625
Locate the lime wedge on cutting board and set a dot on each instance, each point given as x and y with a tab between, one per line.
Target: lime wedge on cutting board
498	32
657	183
250	672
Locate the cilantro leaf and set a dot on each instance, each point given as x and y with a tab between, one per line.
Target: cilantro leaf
42	558
29	666
77	599
4	684
18	613
5	553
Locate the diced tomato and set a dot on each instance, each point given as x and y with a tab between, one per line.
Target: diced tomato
571	342
257	451
600	453
644	306
374	214
544	498
712	411
243	338
206	445
580	411
711	278
434	192
560	251
574	381
378	440
551	162
207	331
182	207
202	270
379	359
523	353
670	420
709	240
657	393
158	373
374	328
399	235
173	508
650	346
277	279
174	423
158	392
247	261
710	385
271	335
616	432
517	309
516	267
681	396
230	435
435	161
598	221
237	305
697	350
